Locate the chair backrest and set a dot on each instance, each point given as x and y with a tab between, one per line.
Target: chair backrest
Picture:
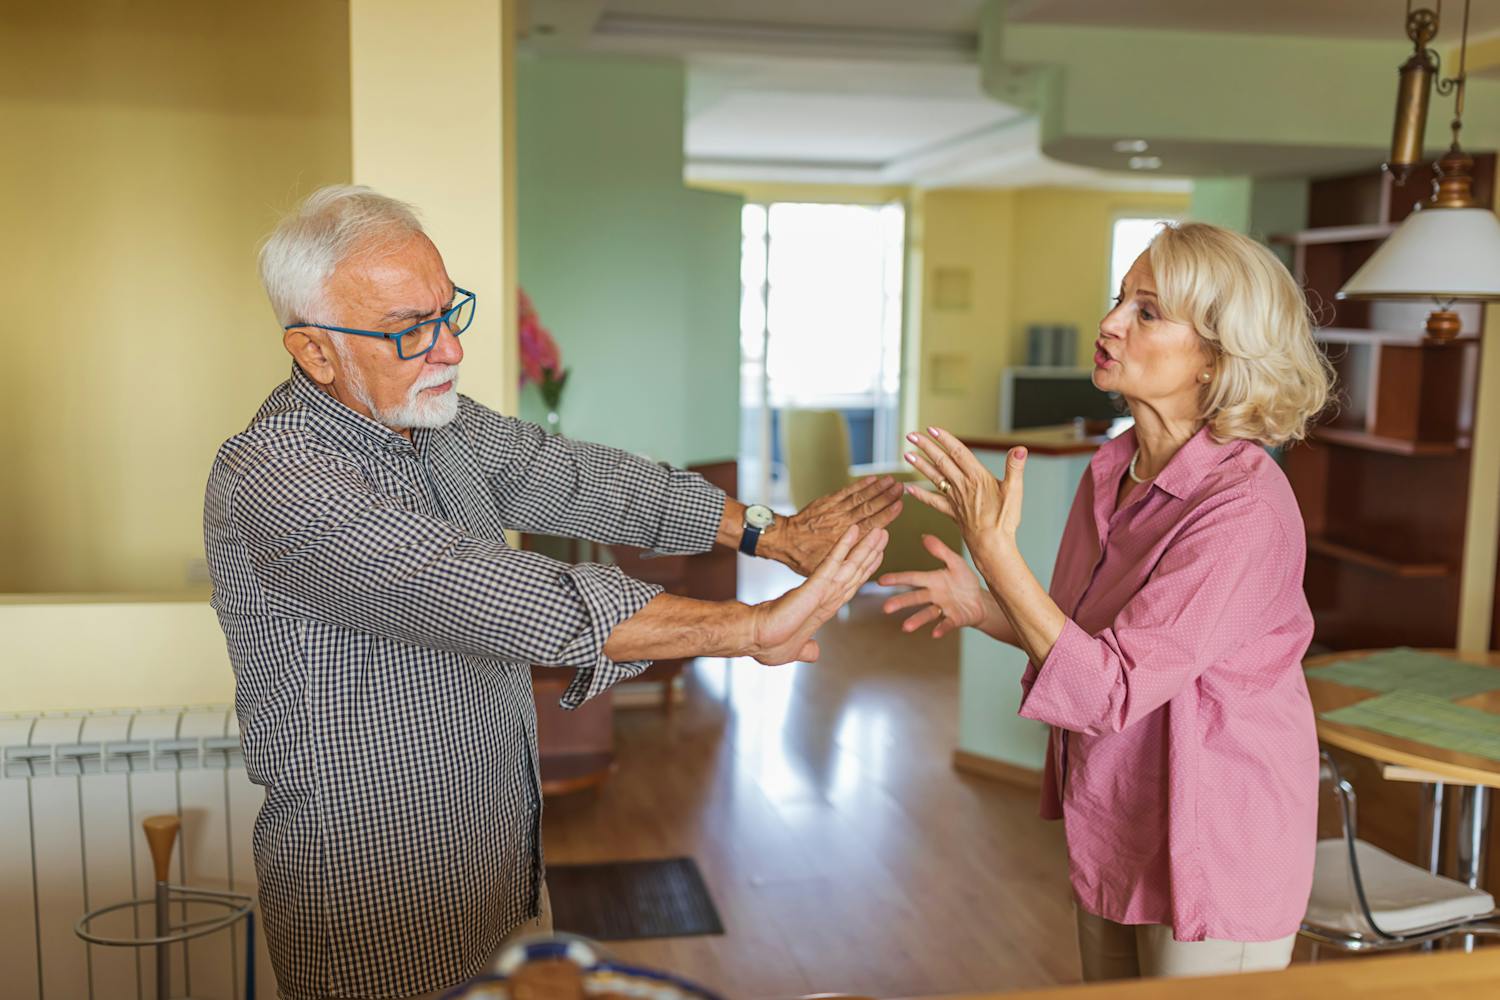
1345	825
815	447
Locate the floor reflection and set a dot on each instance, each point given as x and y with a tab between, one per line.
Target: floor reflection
843	851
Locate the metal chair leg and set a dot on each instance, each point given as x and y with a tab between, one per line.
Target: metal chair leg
1473	827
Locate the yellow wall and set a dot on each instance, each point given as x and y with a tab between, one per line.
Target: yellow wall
989	262
111	653
963	243
440	140
148	148
1060	248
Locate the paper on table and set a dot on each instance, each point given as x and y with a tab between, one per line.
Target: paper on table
1426	719
1409	670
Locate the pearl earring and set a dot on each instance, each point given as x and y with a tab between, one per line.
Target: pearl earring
1206	377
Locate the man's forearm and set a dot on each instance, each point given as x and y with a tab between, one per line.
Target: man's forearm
671	627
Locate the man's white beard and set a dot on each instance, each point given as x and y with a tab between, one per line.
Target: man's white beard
416	411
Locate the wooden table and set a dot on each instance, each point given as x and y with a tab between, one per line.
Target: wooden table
1477	775
1438	976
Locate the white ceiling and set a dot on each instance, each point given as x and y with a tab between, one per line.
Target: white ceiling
841	120
887	91
880	15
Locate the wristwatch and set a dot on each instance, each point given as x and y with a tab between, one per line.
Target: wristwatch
758	519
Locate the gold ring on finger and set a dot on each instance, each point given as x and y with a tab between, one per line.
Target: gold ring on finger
945	487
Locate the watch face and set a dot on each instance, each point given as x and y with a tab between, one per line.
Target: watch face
758	516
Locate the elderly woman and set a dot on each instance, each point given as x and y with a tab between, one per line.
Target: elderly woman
1167	657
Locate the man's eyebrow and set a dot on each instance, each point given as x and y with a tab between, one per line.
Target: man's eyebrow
396	314
416	314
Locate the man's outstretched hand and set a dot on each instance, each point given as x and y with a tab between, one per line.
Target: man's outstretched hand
782	630
805	539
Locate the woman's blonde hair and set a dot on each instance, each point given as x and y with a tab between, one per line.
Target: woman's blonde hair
1270	378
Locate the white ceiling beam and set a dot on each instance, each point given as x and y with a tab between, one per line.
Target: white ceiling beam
670	36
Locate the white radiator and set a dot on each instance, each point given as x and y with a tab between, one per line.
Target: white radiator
74	787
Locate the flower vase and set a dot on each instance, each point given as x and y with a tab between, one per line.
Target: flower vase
554	422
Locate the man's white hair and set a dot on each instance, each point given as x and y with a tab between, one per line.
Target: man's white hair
328	228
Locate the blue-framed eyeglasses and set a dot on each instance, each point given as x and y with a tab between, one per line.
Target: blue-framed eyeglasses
417	340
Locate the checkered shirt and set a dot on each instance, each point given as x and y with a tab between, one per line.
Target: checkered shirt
381	633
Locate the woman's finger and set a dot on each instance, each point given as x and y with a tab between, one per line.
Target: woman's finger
943	628
922	618
940	551
924	465
939	459
1015	484
959	452
907	578
936	501
910	599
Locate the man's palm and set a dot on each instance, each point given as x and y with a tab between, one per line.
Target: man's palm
785	626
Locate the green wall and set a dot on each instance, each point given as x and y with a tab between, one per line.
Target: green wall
636	275
1222	201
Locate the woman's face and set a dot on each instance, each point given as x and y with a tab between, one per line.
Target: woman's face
1144	357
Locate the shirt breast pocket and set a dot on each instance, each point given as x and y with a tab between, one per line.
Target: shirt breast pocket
398	488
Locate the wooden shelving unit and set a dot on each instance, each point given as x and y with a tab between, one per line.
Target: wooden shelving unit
1337	234
1346	438
1374	560
1383	480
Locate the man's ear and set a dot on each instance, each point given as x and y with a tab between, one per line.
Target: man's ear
311	352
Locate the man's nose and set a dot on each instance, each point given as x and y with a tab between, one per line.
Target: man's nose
447	350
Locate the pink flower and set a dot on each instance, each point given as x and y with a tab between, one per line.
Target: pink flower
539	353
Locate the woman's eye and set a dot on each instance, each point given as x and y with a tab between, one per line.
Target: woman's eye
1147	315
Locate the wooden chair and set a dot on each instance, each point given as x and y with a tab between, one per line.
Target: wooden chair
815	447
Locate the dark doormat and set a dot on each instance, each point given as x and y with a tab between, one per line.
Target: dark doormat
624	900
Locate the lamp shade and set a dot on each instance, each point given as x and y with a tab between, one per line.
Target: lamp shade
1437	253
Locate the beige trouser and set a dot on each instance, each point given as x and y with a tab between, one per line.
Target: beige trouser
541	925
1116	951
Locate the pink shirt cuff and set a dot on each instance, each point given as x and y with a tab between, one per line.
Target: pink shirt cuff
1073	686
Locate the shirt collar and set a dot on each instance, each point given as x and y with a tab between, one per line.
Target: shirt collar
1194	460
346	423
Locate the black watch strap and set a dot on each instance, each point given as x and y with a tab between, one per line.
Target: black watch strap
749	540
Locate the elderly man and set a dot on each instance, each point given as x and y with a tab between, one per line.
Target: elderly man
381	630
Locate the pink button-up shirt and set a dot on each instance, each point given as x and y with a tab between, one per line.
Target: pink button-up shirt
1183	756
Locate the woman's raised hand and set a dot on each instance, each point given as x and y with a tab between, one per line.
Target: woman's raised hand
953	596
966	490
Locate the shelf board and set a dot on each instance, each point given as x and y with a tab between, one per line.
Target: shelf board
1337	234
1404	338
1376	561
1345	438
1351	335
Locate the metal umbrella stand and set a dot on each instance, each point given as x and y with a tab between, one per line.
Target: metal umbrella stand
161	834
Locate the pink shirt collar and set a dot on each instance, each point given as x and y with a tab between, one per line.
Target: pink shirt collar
1194	460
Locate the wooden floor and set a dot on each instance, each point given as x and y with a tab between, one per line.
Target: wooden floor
842	850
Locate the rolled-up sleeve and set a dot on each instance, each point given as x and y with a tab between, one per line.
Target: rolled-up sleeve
331	549
1200	604
549	484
